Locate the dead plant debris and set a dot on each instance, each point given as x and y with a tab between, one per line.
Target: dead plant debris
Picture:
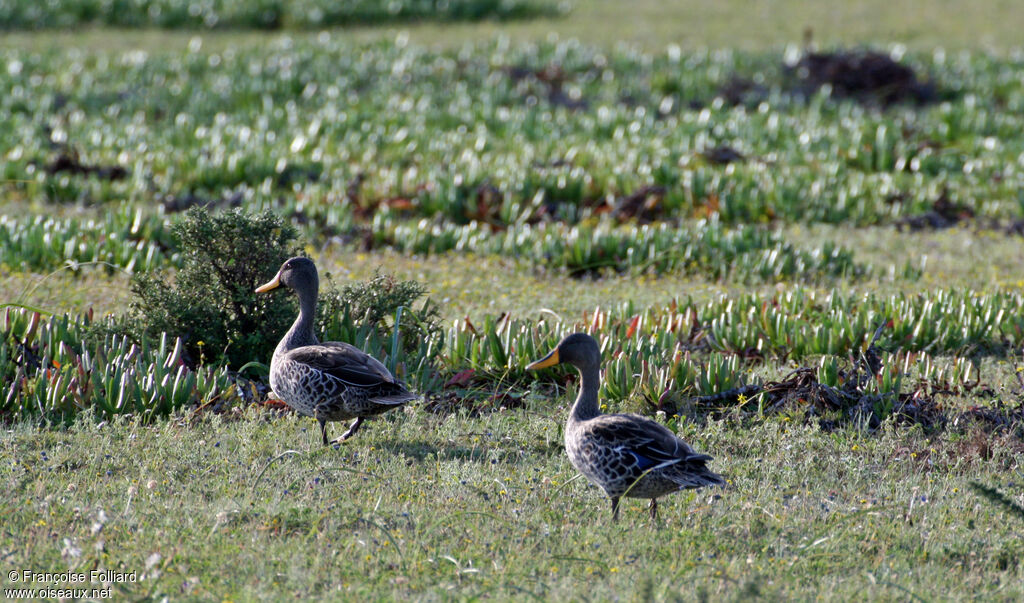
722	154
944	213
179	203
853	402
68	161
862	75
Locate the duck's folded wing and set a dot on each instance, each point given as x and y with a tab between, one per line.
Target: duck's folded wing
344	362
650	444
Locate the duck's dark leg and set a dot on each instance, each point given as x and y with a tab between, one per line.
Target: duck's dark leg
654	508
352	429
323	430
615	508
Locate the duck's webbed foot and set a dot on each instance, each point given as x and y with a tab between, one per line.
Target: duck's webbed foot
352	429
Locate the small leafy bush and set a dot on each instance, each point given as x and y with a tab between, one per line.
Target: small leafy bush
212	306
378	298
375	303
211	303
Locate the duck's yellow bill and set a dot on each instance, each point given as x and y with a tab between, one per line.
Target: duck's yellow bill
273	284
550	360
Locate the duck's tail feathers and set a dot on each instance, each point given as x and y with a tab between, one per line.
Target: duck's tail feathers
696	475
396	399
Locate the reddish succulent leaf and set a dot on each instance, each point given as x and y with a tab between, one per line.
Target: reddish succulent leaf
632	326
460	379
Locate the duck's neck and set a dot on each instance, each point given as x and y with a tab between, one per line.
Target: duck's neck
301	333
586	405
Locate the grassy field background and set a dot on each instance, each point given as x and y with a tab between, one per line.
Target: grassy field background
458	507
469	495
692	24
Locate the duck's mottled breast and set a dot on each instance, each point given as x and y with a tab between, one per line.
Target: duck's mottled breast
300	386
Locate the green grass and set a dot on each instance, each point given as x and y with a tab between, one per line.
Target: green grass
465	285
527	133
430	151
440	507
654	24
257	14
602	142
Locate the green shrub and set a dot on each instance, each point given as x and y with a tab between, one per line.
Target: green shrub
211	303
212	306
375	304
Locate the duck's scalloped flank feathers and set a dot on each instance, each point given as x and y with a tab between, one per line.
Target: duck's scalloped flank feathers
632	456
643	437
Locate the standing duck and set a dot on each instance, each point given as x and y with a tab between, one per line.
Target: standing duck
329	381
625	454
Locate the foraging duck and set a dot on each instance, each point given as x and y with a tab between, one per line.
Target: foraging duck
625	454
329	381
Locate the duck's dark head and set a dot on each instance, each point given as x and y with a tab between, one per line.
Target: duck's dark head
296	273
579	349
